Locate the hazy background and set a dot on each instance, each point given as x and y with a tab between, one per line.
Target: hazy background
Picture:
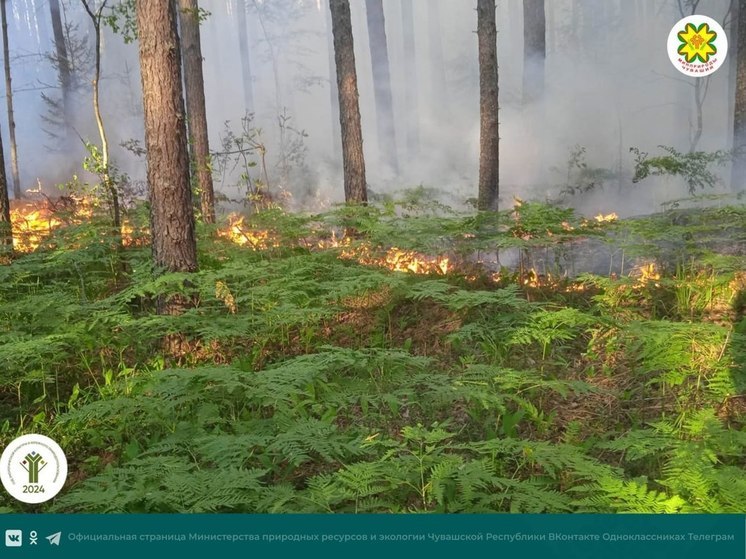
609	86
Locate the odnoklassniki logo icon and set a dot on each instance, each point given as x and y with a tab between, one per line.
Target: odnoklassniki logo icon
697	46
33	468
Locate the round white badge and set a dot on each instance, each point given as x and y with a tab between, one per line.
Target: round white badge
33	468
697	46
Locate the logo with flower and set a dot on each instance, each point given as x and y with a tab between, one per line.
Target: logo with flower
697	42
697	45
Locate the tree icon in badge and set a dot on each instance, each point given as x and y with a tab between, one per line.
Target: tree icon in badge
33	464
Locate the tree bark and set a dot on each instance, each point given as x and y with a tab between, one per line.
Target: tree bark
732	59
379	56
410	79
551	27
6	230
349	109
489	152
63	64
9	98
244	54
738	174
172	218
194	84
534	49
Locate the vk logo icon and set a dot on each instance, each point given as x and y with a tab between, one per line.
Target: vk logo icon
13	538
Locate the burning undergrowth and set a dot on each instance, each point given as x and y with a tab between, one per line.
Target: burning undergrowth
372	343
549	247
34	221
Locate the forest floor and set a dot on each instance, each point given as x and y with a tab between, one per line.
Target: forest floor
389	371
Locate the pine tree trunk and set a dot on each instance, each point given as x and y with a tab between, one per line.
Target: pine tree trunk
9	97
410	84
333	91
63	64
6	231
349	109
171	214
738	175
194	84
534	49
732	60
244	54
379	56
489	153
551	29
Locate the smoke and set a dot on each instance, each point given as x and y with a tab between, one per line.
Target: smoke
608	85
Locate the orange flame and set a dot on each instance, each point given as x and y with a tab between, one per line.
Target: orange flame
398	260
600	219
31	225
608	218
394	259
648	273
35	220
240	234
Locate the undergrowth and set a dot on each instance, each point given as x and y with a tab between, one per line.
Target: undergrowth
303	381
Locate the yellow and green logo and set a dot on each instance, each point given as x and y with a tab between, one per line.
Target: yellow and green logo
697	43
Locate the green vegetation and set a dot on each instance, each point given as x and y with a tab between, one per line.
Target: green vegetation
305	381
694	167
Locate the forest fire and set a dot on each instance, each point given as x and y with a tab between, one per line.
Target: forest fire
558	283
647	273
390	283
399	260
31	224
33	221
608	218
243	235
394	258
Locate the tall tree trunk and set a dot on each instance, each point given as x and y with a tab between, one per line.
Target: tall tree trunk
9	97
349	109
534	49
6	230
738	175
441	108
194	84
333	91
489	151
379	56
244	54
171	214
732	59
701	85
63	64
410	79
109	185
551	27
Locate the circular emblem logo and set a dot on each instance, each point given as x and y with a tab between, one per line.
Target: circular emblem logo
33	468
697	46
